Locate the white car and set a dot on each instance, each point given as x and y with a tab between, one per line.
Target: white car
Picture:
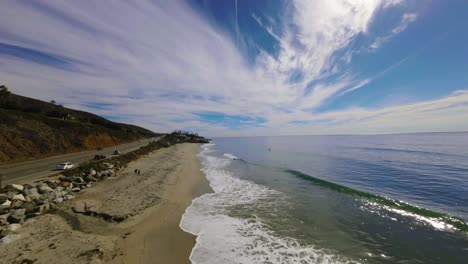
65	166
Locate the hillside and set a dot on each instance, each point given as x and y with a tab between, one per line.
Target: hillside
30	128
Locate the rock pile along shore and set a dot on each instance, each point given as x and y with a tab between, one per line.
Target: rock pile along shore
19	202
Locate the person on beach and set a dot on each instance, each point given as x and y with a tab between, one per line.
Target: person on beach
136	171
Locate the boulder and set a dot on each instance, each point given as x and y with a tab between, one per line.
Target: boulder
18	197
4	219
92	172
58	200
57	193
5	205
10	194
4	232
65	179
16	204
68	197
88	178
3	198
4	211
41	201
9	238
32	193
51	184
44	189
43	208
13	227
76	189
65	184
17	216
78	180
108	165
30	207
31	215
15	187
28	186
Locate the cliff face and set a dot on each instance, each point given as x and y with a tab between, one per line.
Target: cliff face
30	129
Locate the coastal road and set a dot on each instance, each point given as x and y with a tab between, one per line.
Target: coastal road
28	170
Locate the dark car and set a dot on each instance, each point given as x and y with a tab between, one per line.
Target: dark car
99	157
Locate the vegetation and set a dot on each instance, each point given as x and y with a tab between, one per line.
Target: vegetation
122	160
31	128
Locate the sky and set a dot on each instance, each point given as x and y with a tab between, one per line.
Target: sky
245	68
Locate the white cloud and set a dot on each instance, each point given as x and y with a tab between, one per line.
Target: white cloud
405	21
158	63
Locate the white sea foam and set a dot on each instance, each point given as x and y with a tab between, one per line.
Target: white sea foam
436	223
223	238
230	156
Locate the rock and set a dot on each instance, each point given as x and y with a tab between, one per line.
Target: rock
111	172
92	172
28	186
10	194
76	189
4	211
9	238
32	193
108	165
15	187
52	185
30	207
18	197
88	178
44	189
78	180
4	219
43	208
65	179
32	215
65	184
79	207
3	198
5	205
41	201
68	197
58	200
13	227
17	216
16	204
57	193
4	232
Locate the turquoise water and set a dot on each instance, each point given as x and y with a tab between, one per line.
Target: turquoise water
333	199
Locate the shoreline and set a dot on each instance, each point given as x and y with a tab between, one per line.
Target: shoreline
151	206
163	239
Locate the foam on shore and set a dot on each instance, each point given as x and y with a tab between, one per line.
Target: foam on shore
224	238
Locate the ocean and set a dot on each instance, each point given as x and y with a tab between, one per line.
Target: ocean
333	199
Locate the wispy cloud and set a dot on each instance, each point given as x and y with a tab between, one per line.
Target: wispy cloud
158	64
406	20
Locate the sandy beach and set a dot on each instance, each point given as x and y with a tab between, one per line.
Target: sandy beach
135	217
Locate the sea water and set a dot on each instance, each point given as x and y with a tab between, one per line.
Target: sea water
333	199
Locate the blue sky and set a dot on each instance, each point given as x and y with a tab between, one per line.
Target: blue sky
239	68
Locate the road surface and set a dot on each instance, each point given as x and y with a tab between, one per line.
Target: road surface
28	170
